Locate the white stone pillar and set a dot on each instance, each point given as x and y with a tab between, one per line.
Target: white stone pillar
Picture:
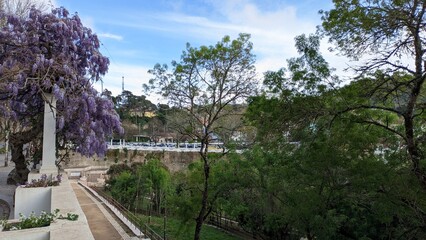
49	135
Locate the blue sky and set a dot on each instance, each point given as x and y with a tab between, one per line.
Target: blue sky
137	34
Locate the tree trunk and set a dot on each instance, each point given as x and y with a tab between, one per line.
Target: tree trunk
412	147
6	157
414	153
19	175
205	194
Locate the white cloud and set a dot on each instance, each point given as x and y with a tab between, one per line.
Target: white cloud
272	31
111	36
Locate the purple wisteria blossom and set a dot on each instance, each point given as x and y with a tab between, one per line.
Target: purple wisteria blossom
54	53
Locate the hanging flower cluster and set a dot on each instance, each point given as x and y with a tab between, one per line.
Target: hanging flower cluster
54	53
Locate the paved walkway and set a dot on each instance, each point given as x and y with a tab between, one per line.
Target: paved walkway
101	223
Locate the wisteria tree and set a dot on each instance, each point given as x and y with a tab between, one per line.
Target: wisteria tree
53	53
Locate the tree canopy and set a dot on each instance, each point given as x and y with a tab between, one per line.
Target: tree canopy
203	84
391	34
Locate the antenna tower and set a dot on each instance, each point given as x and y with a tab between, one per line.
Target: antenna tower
122	83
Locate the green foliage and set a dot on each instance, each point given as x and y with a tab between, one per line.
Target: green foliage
131	186
330	161
202	85
123	189
370	26
33	221
325	165
176	231
128	104
331	186
69	216
184	202
226	65
308	74
154	180
391	34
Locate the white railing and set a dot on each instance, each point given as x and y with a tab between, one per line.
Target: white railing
116	211
163	147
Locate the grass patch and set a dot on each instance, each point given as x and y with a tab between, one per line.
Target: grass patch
175	230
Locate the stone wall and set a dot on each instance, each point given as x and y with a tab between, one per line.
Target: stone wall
174	161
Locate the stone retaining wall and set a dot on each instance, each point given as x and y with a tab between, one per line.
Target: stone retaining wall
174	161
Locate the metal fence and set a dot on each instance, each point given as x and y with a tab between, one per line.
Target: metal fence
215	218
229	225
135	220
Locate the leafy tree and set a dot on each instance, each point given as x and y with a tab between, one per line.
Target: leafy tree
202	85
132	110
123	188
129	105
20	8
132	185
162	111
392	33
154	183
184	201
316	172
304	93
154	129
53	53
330	185
309	178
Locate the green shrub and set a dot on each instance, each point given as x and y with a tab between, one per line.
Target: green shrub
33	221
